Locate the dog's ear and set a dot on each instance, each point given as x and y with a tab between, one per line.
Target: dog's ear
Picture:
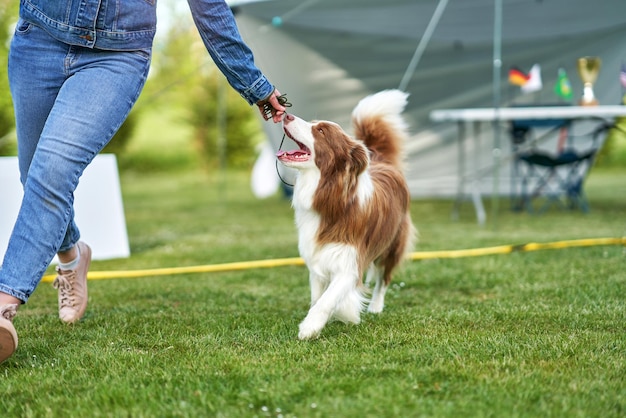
358	158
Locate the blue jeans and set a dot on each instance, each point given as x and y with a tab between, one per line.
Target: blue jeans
69	101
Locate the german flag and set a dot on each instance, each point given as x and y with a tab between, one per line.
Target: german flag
517	77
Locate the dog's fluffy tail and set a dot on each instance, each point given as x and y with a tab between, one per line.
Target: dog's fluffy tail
378	122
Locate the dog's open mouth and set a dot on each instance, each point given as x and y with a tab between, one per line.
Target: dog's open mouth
295	155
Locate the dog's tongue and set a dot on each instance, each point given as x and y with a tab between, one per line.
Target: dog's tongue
289	153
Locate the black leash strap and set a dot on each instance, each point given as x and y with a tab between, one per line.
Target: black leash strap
267	111
277	170
267	106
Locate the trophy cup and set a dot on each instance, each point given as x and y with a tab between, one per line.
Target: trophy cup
588	69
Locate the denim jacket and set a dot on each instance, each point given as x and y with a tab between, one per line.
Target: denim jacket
124	25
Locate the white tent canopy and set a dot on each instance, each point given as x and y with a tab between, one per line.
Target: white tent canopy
327	54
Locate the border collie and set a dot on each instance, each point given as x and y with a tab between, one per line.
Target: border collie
351	204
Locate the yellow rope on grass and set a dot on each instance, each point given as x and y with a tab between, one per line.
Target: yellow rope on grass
507	249
297	261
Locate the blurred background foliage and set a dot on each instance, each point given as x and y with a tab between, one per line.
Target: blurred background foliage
8	16
186	116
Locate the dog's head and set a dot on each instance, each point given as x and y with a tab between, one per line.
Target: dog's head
323	145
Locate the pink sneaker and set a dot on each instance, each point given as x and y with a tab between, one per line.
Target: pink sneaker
72	286
8	336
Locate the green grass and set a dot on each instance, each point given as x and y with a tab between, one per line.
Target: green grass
538	334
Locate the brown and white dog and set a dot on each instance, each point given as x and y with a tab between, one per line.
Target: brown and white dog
351	207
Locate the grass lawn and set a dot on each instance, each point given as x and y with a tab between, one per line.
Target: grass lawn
540	334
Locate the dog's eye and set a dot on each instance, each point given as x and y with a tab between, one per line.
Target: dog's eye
320	130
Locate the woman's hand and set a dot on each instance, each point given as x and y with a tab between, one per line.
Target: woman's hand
273	107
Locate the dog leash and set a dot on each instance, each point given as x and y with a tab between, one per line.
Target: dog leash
267	110
276	163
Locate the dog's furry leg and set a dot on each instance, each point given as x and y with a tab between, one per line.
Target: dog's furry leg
380	288
318	285
371	274
339	294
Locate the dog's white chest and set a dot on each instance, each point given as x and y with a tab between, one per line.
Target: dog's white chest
307	220
307	223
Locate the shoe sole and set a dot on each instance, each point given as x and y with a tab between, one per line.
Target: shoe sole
8	342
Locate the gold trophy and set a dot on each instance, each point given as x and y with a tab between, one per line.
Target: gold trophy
588	69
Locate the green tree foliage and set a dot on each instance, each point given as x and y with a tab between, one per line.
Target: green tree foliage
8	17
225	129
613	152
184	75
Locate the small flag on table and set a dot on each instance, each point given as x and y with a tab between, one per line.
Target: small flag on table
534	80
517	77
563	88
528	82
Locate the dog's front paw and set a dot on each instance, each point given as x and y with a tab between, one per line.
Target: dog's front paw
375	306
309	331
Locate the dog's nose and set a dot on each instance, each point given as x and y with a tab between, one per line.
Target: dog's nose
288	118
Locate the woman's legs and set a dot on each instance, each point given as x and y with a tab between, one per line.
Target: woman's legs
69	101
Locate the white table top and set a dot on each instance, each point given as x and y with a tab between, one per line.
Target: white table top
530	112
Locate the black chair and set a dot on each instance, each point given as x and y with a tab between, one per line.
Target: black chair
545	177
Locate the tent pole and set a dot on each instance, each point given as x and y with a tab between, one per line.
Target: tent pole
497	70
421	46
